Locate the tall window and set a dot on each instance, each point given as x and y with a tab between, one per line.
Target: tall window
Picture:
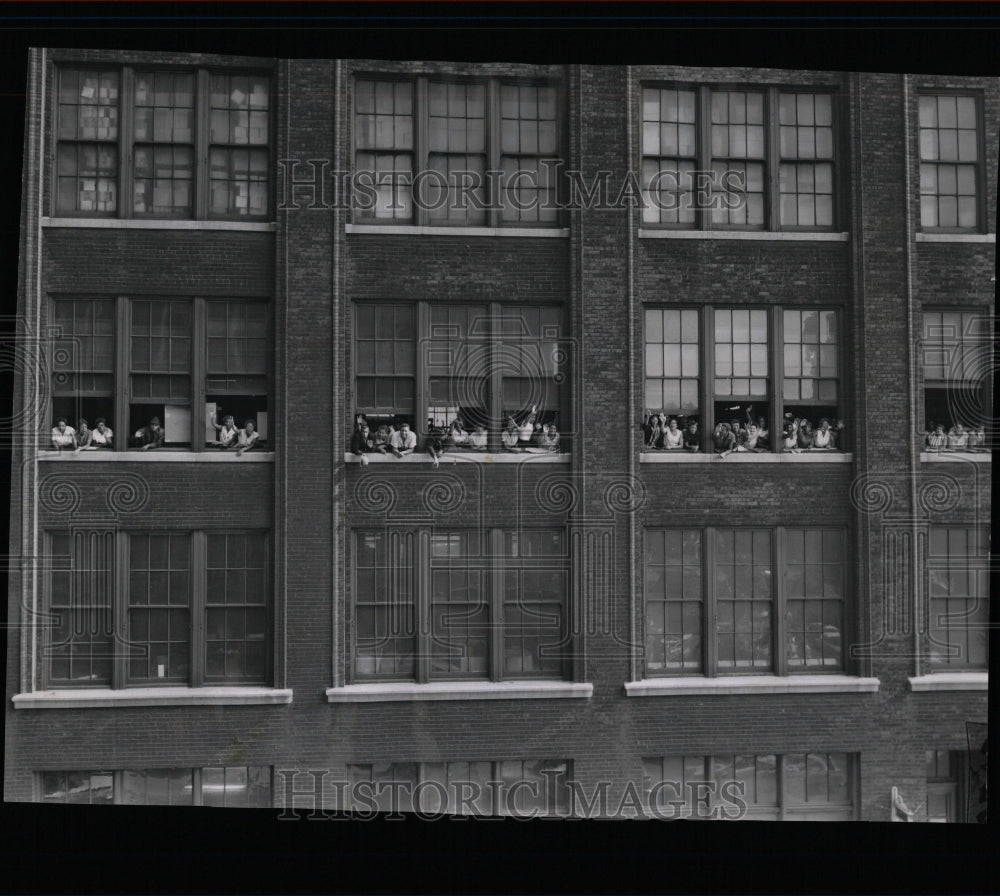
493	605
428	150
231	786
521	788
428	364
768	155
669	150
958	598
738	149
184	360
805	181
87	131
950	176
83	359
792	787
741	601
198	145
136	609
719	365
957	356
164	144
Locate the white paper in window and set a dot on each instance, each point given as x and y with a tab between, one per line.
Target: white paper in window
176	423
262	424
210	410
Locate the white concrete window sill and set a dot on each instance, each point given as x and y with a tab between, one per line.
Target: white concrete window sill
679	456
951	681
956	457
751	684
419	230
160	455
408	691
956	237
159	224
94	698
806	236
461	457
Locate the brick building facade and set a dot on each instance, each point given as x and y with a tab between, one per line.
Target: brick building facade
601	627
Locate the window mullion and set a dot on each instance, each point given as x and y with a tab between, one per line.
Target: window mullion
495	386
492	125
421	128
421	577
199	353
772	154
119	611
123	386
201	120
708	598
196	798
497	592
703	115
199	589
420	386
778	602
126	152
780	785
707	324
776	389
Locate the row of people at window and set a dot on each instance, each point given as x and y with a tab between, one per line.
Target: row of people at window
679	432
957	438
526	435
150	436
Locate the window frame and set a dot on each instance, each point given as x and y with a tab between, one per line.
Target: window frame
121	400
420	151
772	159
779	606
119	604
493	563
424	775
977	568
783	807
775	377
126	142
118	788
493	380
983	312
981	225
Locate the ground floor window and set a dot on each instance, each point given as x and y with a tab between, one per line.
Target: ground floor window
230	787
523	788
791	787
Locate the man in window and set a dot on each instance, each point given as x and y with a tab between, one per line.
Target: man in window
246	438
362	441
403	440
63	436
150	436
102	436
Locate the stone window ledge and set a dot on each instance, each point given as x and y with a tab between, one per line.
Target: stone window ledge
93	698
159	455
452	457
408	691
956	457
159	224
956	237
951	681
751	684
419	230
771	235
679	456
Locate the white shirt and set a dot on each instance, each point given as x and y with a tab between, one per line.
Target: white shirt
63	439
402	442
101	438
478	440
